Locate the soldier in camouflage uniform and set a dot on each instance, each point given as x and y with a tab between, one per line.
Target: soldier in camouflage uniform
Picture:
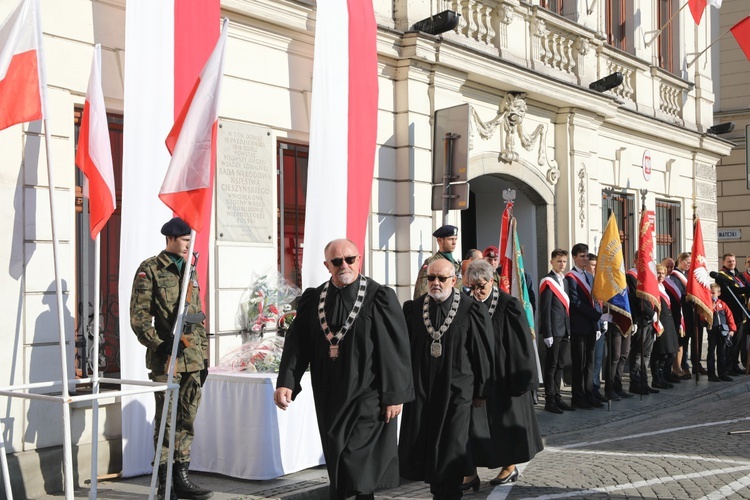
447	237
153	312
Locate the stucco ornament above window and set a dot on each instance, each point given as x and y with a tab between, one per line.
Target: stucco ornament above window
511	114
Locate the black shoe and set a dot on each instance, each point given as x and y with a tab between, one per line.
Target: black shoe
598	395
702	371
471	485
595	403
736	371
510	478
673	378
686	376
184	487
624	394
563	405
552	408
162	486
713	378
662	385
611	396
725	378
581	404
652	390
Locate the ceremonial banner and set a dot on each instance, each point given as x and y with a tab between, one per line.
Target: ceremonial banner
192	142
94	153
610	285
343	129
648	285
21	66
741	33
519	287
505	249
699	280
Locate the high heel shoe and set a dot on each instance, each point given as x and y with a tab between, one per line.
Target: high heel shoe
510	478
471	485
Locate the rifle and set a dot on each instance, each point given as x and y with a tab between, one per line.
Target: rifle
188	320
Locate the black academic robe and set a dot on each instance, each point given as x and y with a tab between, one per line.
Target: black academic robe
373	370
505	431
435	426
668	341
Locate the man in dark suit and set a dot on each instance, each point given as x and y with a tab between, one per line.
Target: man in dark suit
583	327
734	294
554	329
642	338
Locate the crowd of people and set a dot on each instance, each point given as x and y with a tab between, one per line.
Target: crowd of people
460	365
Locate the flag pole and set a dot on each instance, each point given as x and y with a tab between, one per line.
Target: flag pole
95	374
658	32
708	47
696	362
643	374
609	192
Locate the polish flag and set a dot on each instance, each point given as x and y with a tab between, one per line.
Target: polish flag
343	130
741	33
699	280
21	66
94	153
648	286
192	143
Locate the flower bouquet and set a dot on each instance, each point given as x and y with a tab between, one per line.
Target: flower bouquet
267	304
256	356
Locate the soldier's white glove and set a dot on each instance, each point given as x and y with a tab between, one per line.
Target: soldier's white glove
605	326
548	341
634	328
598	335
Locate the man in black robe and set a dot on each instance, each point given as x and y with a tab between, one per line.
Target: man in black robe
451	364
351	333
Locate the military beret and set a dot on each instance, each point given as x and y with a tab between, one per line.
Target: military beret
175	227
445	231
491	252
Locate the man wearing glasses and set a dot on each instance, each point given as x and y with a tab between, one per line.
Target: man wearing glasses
351	333
450	352
447	238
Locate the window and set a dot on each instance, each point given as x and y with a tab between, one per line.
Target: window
555	6
615	23
292	189
666	37
109	322
667	229
623	206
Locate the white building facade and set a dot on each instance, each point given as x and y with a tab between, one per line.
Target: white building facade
524	69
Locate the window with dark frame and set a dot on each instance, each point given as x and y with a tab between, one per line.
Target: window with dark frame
623	206
292	189
555	6
666	37
615	23
667	229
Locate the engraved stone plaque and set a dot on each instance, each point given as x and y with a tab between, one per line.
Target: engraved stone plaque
245	184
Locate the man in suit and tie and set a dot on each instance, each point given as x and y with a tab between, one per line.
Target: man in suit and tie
584	319
554	329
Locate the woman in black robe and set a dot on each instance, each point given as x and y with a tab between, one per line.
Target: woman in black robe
505	431
667	343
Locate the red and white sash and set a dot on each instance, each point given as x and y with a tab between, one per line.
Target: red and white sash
672	290
557	289
680	276
583	285
664	295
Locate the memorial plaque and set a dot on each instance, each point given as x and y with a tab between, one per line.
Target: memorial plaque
244	183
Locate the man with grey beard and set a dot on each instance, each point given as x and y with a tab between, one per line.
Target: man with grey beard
352	335
451	364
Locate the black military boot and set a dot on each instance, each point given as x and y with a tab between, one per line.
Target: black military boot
184	487
162	475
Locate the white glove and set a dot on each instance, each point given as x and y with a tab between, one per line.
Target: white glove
605	326
598	335
656	318
634	328
606	317
548	341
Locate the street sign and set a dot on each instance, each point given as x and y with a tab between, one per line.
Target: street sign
730	234
458	196
454	121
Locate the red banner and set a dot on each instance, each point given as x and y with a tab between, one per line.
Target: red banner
648	286
699	281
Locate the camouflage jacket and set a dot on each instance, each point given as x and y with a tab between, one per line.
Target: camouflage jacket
420	287
153	311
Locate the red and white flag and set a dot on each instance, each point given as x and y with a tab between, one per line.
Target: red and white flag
696	9
343	130
21	66
94	153
648	286
741	33
699	280
506	250
192	142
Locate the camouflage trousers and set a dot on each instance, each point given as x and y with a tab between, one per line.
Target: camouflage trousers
188	399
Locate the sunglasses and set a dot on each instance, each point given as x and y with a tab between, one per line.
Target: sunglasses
443	279
340	260
478	286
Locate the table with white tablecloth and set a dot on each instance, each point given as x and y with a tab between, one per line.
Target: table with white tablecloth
240	432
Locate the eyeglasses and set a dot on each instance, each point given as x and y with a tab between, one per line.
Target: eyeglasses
340	260
478	286
443	279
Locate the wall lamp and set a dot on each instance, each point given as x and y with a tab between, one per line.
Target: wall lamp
607	83
721	128
439	23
